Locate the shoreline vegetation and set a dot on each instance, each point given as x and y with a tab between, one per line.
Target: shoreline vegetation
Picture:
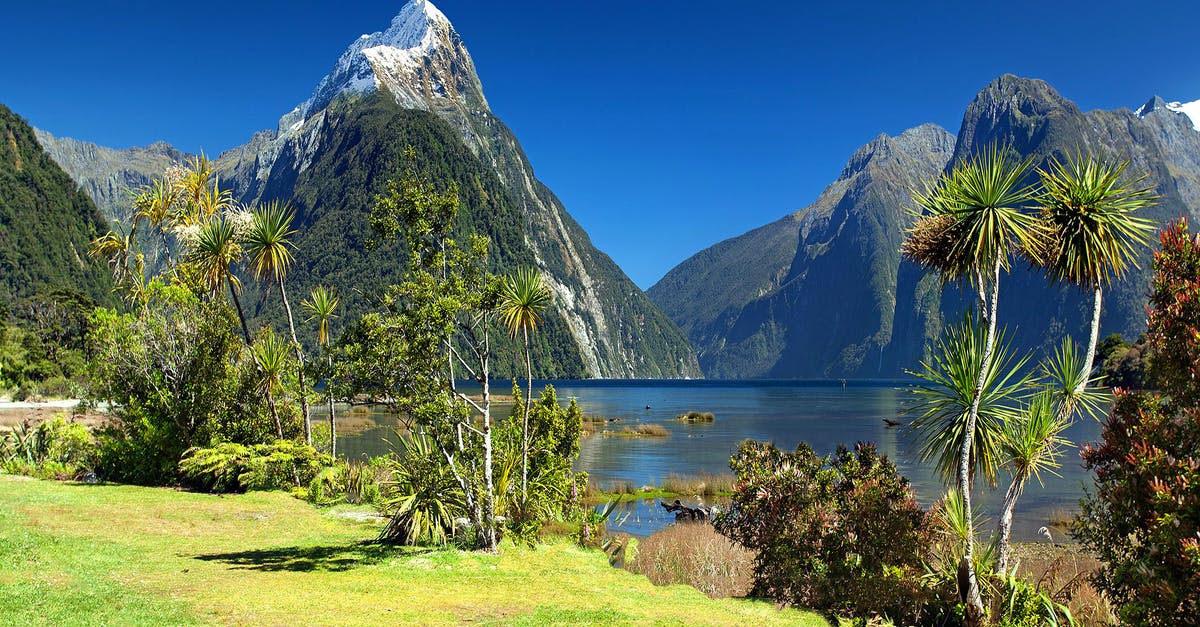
708	485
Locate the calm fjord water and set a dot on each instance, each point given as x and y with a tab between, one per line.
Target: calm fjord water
821	413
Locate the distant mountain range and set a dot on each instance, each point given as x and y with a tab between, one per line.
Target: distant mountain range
824	292
414	84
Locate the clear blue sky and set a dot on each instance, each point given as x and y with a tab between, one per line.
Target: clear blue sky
664	126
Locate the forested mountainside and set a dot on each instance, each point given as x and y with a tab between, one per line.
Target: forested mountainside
46	223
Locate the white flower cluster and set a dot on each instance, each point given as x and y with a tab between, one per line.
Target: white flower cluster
241	218
186	235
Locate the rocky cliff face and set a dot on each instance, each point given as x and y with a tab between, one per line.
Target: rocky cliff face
812	294
108	175
841	302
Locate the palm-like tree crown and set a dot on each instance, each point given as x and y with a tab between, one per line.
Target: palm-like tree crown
155	203
200	193
215	251
944	403
523	297
1091	234
320	306
1033	441
114	247
270	353
1067	377
972	217
267	242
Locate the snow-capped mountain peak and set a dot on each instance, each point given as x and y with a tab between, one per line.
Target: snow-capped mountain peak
419	59
1189	109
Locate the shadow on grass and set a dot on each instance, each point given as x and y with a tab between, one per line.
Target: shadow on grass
335	558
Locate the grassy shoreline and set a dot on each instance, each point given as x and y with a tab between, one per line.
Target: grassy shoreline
79	554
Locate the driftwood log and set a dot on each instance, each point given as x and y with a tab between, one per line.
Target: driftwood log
683	513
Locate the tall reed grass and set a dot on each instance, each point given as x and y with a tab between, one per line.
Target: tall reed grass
695	554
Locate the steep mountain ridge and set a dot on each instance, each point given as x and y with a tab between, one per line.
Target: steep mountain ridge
46	223
109	175
603	325
816	321
776	301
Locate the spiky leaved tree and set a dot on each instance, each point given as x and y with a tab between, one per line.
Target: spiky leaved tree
1090	233
321	304
523	298
268	246
270	355
213	255
973	220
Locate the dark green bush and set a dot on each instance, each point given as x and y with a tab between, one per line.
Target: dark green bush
230	467
842	534
1143	518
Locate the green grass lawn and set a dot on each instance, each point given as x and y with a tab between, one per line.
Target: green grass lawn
115	555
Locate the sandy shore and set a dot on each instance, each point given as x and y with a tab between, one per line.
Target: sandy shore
16	412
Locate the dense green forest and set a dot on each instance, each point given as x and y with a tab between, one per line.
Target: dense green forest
48	281
46	223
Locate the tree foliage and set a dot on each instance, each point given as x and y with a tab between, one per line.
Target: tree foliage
1143	519
841	533
176	375
433	328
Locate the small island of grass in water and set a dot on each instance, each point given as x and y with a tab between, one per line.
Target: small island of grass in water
693	417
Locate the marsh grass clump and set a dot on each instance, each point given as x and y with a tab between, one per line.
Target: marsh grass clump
696	555
703	484
693	417
646	430
1064	575
1061	519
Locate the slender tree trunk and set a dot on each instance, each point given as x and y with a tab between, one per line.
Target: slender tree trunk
332	422
300	360
525	421
1004	529
974	599
241	315
166	247
274	414
489	497
1095	337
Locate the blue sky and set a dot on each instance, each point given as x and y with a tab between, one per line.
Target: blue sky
664	126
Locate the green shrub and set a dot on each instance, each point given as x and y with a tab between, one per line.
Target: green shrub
422	498
842	533
345	482
230	467
1022	604
55	449
66	442
177	376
